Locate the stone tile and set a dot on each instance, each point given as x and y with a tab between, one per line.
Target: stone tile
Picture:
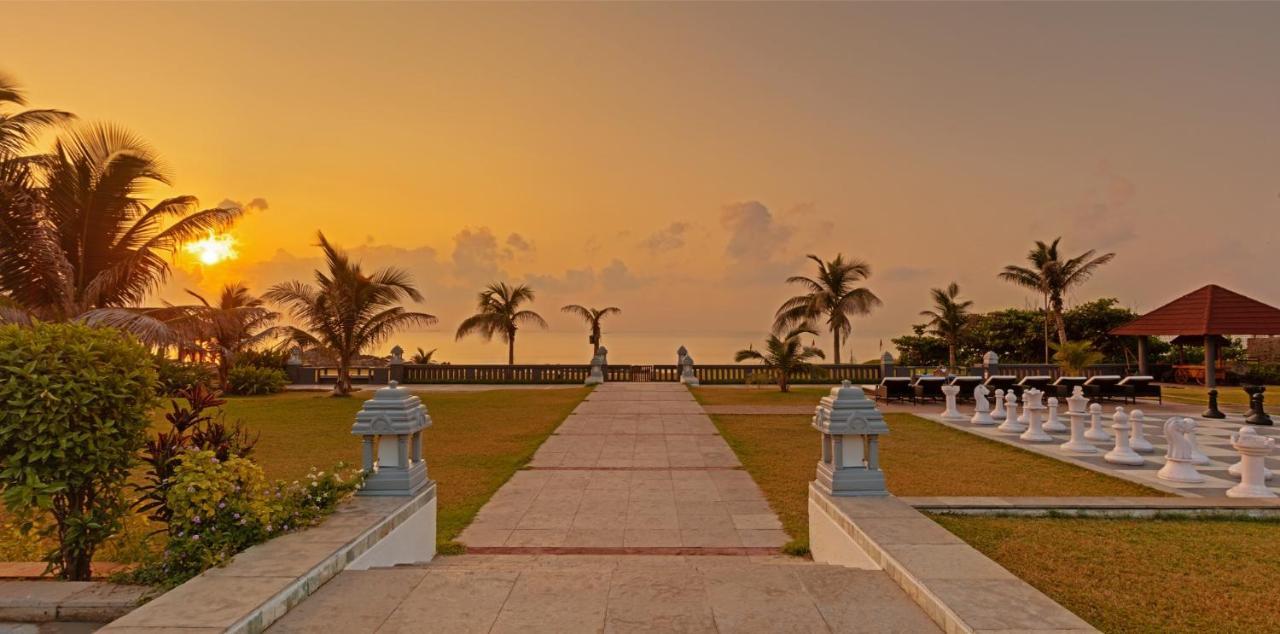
862	601
353	601
550	600
763	538
652	521
595	537
724	537
759	521
206	601
906	530
22	600
653	599
946	561
537	537
479	536
651	538
285	556
992	604
449	601
759	599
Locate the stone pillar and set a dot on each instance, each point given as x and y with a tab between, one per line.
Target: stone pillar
395	365
850	426
1142	356
990	364
293	367
1210	362
387	424
886	365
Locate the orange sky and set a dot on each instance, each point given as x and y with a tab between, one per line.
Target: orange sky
679	160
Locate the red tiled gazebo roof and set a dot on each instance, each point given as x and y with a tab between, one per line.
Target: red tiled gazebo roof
1211	310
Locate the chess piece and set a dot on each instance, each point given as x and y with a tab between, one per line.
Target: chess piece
998	413
1257	415
1011	424
1096	432
1122	453
1137	439
1032	407
1177	460
1212	411
981	407
1075	409
1253	448
1236	468
1197	457
1053	424
952	414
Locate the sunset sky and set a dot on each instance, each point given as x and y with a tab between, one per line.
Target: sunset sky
678	161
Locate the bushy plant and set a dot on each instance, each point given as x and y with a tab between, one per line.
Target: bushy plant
248	380
1261	374
175	376
276	358
1074	356
74	405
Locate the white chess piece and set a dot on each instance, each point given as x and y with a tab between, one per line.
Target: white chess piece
1197	457
1137	440
1075	409
952	414
1177	460
1237	468
1032	407
998	412
981	407
1011	424
1095	431
1253	449
1122	453
1053	424
1022	418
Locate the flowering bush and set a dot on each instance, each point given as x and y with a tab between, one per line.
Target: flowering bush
221	507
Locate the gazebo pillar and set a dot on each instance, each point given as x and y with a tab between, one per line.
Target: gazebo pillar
1142	356
1210	361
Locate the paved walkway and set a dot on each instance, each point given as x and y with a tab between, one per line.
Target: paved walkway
634	517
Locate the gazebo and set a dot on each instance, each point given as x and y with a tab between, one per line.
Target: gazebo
1206	314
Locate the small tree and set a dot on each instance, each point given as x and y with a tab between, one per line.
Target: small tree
948	318
786	356
74	411
592	317
1074	356
499	312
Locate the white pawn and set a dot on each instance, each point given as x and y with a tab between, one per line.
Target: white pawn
1237	468
1137	441
1177	459
1053	424
981	407
1011	424
952	414
1096	432
1122	453
1026	398
1253	450
1075	409
998	412
1197	457
1032	409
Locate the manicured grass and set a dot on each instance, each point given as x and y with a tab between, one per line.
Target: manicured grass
762	395
1141	575
919	457
1227	395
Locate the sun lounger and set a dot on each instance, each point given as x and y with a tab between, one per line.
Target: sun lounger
1032	382
1000	382
928	388
1063	386
895	388
966	383
1103	387
1140	386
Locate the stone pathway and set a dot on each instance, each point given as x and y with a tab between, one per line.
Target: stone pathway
634	517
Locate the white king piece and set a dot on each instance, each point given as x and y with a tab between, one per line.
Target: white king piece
851	427
391	425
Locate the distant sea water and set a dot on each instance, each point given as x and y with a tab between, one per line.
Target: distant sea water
572	347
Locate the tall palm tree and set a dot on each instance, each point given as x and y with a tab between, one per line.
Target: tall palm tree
592	316
94	244
423	357
786	356
948	317
499	313
237	322
19	130
832	295
1052	277
348	310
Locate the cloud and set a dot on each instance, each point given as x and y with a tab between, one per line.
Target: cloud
904	273
754	236
476	254
516	243
616	276
668	238
257	204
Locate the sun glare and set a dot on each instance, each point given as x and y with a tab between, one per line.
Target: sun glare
213	249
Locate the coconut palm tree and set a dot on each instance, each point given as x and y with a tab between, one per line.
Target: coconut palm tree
347	310
786	356
19	130
948	317
592	316
832	295
1052	277
237	322
423	357
499	314
1074	356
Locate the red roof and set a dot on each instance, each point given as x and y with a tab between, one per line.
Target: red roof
1211	310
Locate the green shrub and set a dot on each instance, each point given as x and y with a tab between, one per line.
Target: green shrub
277	359
248	380
176	376
1261	374
74	405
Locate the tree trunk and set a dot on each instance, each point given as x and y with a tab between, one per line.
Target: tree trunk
511	348
342	387
951	353
595	340
782	380
1062	326
836	356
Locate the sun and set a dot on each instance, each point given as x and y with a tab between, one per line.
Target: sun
213	249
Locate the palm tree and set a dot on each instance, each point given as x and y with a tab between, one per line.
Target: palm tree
832	294
348	310
236	323
19	130
786	356
499	313
592	316
94	245
1074	356
948	317
1052	277
423	357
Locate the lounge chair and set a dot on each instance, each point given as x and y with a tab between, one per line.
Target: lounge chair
966	383
1032	382
1065	385
1140	386
928	388
895	388
1000	382
1103	387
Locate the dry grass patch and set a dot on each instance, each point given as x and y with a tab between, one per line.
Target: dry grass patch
1227	395
920	458
1141	575
762	395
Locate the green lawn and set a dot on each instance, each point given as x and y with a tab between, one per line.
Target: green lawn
919	457
476	442
1141	575
762	395
1227	395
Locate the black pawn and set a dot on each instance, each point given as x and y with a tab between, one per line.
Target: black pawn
1257	415
1213	411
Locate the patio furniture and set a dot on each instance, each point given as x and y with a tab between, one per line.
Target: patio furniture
895	388
1040	382
1103	387
928	388
1063	386
1000	382
966	383
1140	386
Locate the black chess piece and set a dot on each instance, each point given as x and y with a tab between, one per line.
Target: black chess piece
1257	415
1213	411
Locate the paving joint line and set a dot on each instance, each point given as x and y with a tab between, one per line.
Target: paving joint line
686	551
